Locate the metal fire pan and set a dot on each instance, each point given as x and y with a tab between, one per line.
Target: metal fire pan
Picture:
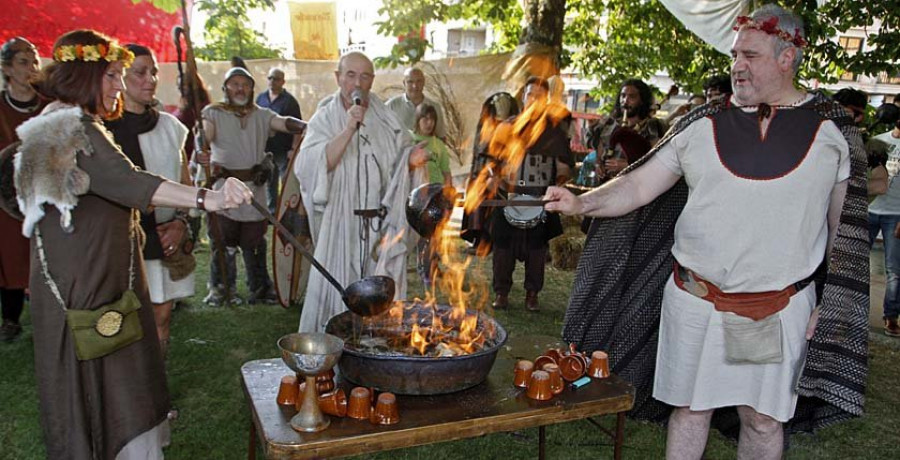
414	375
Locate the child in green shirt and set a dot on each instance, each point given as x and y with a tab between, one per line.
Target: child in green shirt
438	171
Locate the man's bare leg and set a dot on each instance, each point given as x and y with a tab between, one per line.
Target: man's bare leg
762	437
687	433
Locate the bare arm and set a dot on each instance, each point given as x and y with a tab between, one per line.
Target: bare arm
174	195
288	125
618	196
335	149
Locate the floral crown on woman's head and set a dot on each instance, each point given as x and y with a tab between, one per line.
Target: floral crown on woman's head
770	26
93	53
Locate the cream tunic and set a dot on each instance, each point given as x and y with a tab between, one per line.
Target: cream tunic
743	235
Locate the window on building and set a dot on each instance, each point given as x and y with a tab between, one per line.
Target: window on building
851	45
464	42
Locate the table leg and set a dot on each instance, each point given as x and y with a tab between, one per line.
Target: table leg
620	436
251	449
542	443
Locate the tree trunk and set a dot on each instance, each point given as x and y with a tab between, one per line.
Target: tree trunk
540	43
544	21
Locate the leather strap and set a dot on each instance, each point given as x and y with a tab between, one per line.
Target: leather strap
753	305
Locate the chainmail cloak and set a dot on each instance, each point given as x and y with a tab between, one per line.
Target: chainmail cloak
617	296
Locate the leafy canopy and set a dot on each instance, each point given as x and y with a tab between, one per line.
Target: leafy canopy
226	31
612	40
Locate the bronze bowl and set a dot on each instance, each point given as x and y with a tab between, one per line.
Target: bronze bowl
415	375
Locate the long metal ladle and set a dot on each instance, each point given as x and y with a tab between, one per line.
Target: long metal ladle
367	297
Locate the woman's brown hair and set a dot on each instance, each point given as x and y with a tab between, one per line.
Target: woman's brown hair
422	111
77	81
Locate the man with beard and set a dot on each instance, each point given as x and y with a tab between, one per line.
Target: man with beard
633	110
353	172
405	105
764	210
237	131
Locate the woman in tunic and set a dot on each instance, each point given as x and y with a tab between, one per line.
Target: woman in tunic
153	141
77	192
20	64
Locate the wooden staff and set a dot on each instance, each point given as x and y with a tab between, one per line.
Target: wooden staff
200	137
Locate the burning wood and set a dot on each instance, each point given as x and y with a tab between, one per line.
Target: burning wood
424	329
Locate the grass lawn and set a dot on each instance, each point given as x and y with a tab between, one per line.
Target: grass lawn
209	346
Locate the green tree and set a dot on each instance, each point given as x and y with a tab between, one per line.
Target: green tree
228	34
226	31
612	40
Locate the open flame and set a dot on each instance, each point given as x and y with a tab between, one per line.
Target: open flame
459	330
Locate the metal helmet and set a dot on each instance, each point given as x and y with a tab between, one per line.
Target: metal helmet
238	72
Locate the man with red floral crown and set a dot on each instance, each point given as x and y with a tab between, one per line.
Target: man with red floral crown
716	240
20	64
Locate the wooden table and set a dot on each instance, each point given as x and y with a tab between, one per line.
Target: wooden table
493	406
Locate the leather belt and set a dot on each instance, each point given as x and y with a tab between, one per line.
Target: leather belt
753	305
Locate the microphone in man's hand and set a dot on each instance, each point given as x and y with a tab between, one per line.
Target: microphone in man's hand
357	96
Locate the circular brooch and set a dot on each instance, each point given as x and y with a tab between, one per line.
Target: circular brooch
109	324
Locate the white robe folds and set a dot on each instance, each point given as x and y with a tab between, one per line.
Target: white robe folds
373	172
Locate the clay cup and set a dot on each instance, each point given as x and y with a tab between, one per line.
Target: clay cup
360	405
522	373
539	386
288	391
599	368
386	412
334	403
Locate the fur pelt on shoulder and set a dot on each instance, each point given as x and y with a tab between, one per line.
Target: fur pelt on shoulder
46	168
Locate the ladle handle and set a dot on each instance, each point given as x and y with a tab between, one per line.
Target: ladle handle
296	244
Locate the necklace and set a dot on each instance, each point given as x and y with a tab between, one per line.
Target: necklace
17	108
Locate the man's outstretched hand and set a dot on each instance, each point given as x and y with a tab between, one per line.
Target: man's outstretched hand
562	200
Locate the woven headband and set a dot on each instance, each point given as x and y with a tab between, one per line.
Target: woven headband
770	26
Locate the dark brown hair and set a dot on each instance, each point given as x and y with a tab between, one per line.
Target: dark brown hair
422	111
12	47
77	81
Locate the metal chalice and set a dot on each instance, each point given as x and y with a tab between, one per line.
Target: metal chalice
310	354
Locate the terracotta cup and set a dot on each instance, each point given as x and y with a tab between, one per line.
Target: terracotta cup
539	386
572	367
360	405
325	381
541	360
556	379
334	403
325	386
288	391
554	353
522	373
599	368
386	412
